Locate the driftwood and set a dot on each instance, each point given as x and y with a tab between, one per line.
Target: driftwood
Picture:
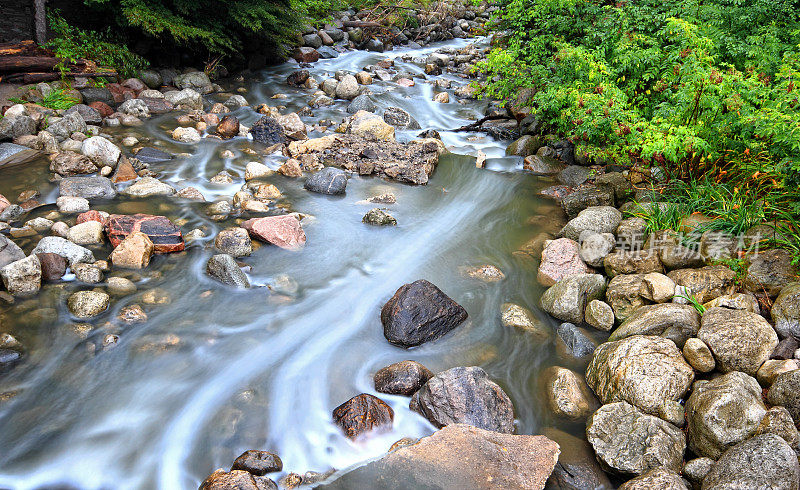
24	48
361	23
26	62
16	64
476	126
26	78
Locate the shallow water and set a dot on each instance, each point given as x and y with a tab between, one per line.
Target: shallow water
214	372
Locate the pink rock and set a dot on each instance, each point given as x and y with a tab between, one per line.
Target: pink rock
560	259
4	203
405	82
283	231
91	216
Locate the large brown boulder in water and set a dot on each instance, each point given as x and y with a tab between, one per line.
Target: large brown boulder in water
460	457
361	414
419	312
236	480
402	378
465	395
165	235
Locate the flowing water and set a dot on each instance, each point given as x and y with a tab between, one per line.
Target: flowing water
215	371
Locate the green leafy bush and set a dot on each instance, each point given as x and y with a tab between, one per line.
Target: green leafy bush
72	43
688	84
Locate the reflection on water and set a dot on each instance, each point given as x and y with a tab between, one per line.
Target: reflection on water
214	371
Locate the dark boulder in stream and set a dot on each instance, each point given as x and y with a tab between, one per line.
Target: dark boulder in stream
361	414
224	269
465	395
331	181
402	378
419	312
165	235
258	463
267	131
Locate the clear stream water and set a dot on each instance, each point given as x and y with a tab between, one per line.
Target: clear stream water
214	371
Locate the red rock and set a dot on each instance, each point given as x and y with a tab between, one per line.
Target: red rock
305	54
125	171
134	84
91	216
4	203
54	266
405	82
120	93
228	127
561	259
283	231
165	235
361	414
104	109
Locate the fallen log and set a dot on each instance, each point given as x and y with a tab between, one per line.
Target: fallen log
26	78
475	126
15	64
24	48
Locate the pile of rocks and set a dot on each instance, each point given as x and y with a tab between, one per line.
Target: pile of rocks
674	395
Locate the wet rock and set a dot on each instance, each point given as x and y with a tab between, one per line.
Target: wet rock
361	103
707	283
769	271
645	371
543	165
785	391
87	233
465	395
379	217
438	461
291	168
567	299
224	269
120	286
9	359
89	114
186	135
672	321
258	463
739	340
133	252
132	315
255	170
567	395
779	421
574	175
14	127
399	118
53	266
72	205
370	126
764	461
152	155
517	316
9	251
235	480
401	378
599	315
87	304
629	442
234	241
331	181
305	54
64	127
124	172
524	146
101	151
22	277
623	295
560	259
362	414
165	235
773	368
293	126
722	412
658	478
635	262
419	312
577	467
196	80
13	154
87	273
575	341
282	231
228	127
698	355
785	310
69	163
298	78
599	219
595	247
267	131
65	248
585	197
87	187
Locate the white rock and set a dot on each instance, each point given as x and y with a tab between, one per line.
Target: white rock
101	151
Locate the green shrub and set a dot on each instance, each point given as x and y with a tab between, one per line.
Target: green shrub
72	44
685	84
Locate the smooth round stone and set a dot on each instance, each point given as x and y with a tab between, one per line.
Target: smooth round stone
87	304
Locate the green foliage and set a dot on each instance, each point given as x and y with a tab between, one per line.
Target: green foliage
214	26
659	216
692	301
668	83
72	44
58	98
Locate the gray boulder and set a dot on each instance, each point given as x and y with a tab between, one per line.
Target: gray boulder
669	320
399	118
567	299
224	269
659	478
14	127
64	127
9	251
599	219
786	311
23	277
330	180
73	253
196	80
740	340
361	103
624	295
87	188
465	395
646	371
785	391
577	467
12	154
706	283
723	412
347	88
769	271
764	461
629	442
